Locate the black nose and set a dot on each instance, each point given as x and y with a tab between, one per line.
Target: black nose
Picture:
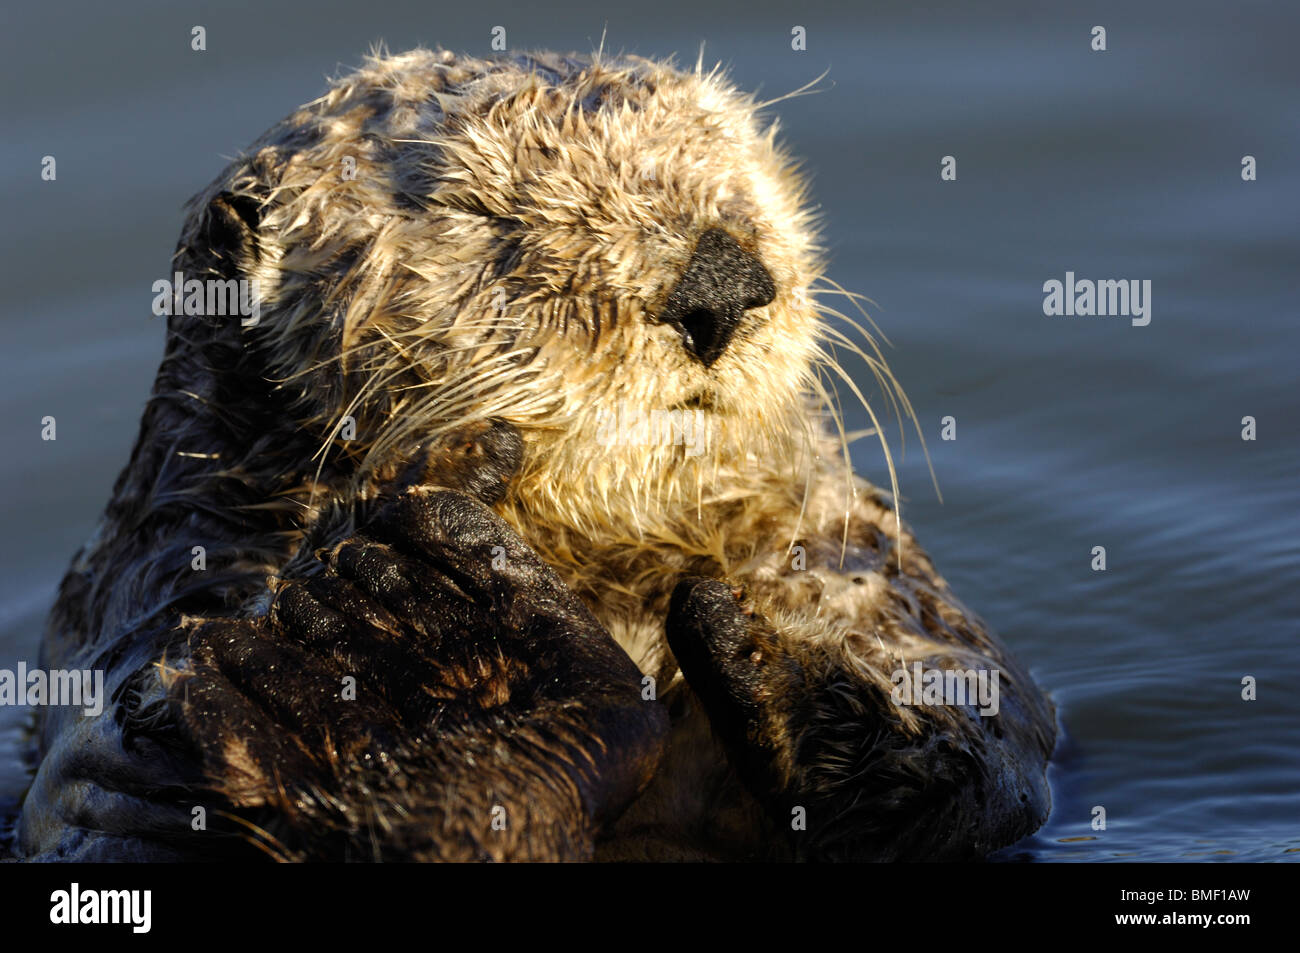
721	281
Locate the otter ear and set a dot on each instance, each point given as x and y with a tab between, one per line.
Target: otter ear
230	233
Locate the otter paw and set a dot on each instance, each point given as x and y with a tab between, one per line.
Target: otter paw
724	651
479	459
434	679
741	671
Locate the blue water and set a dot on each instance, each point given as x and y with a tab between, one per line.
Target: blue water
1071	432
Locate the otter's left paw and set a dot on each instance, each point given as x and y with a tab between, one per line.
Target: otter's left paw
747	680
825	748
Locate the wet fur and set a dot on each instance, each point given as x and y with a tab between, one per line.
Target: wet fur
513	231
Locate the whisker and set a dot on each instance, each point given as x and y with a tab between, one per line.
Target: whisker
892	388
828	362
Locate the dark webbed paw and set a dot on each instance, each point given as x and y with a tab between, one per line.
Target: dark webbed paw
827	750
801	731
480	459
747	681
435	692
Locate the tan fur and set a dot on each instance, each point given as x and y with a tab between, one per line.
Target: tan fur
510	235
600	210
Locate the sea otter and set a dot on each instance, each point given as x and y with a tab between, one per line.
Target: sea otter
389	575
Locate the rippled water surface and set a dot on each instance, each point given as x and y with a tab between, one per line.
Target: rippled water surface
1072	433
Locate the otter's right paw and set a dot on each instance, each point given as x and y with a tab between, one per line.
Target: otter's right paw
435	693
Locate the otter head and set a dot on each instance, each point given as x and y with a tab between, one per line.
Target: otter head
612	255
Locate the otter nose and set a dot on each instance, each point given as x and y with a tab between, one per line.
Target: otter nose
721	281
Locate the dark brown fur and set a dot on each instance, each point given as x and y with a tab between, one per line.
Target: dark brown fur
499	585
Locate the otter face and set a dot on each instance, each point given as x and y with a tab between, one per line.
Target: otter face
571	245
